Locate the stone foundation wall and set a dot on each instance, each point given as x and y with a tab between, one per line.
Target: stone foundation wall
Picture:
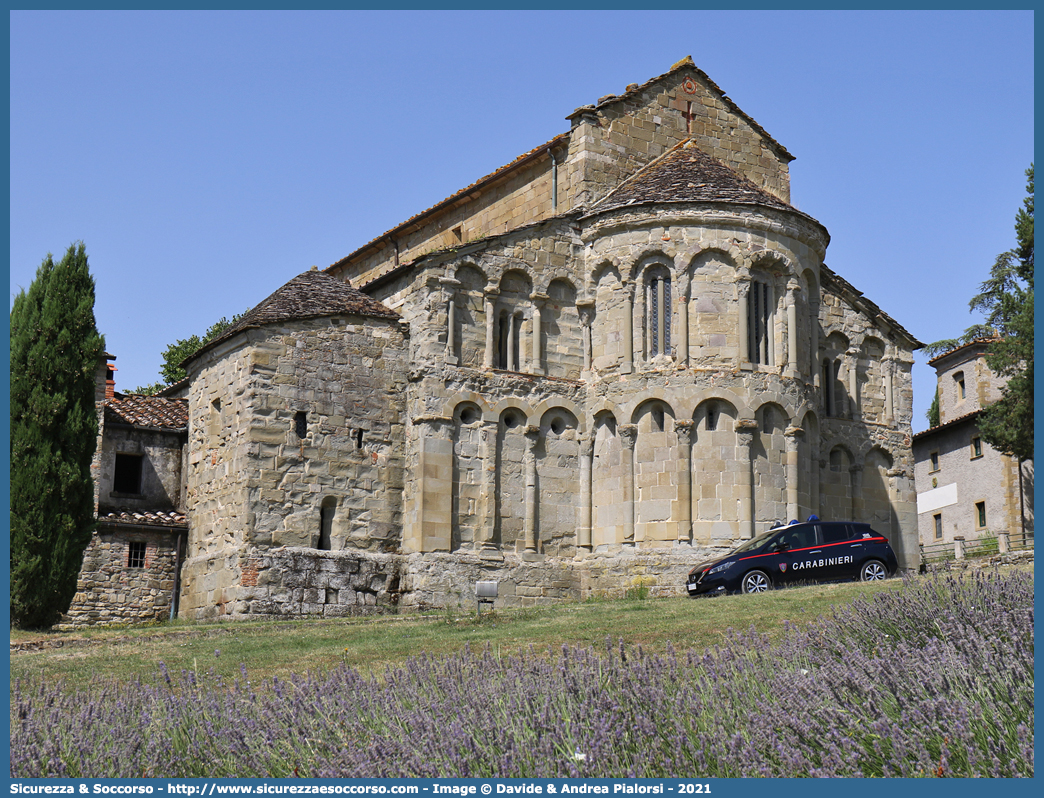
298	582
109	592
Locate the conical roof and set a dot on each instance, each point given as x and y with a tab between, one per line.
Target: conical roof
313	294
685	173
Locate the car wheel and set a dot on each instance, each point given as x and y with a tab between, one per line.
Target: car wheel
755	582
872	571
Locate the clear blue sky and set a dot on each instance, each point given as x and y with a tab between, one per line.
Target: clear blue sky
206	158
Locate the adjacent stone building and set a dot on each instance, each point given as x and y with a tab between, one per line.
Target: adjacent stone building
965	487
619	353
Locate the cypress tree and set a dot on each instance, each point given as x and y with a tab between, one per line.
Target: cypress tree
55	352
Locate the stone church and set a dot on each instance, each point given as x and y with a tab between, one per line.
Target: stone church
618	354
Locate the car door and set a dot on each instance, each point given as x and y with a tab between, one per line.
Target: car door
800	554
842	551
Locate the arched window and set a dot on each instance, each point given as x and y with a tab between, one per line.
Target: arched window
829	399
658	315
760	306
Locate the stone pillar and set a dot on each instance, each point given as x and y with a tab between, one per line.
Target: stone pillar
491	320
888	366
792	436
683	328
1003	542
853	382
743	288
537	366
430	520
628	331
583	537
449	290
774	344
958	546
813	322
683	430
628	436
745	429
856	481
792	329
586	311
514	329
487	489
532	437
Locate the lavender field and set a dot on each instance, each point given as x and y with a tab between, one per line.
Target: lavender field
933	680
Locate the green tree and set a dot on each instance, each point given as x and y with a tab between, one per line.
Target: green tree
933	412
55	353
176	353
1006	301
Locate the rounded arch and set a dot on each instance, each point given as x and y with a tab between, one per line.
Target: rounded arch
542	408
606	267
650	258
634	408
450	405
511	403
558	419
559	273
773	261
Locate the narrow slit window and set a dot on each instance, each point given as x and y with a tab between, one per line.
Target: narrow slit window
980	515
301	424
976	447
358	438
759	324
938	526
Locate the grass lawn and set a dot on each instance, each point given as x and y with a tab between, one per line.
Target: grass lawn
279	648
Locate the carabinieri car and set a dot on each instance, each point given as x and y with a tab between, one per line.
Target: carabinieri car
816	551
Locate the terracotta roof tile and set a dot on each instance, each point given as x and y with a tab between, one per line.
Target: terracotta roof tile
144	518
949	352
687	174
310	295
952	422
148	411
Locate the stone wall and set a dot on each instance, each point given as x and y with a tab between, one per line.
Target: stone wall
109	592
161	454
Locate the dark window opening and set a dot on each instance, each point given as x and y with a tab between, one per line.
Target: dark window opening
976	447
458	234
712	418
558	426
659	316
301	423
980	514
326	514
935	461
126	476
358	438
938	526
511	421
136	554
759	324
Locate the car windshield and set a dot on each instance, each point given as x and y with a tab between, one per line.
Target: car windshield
754	543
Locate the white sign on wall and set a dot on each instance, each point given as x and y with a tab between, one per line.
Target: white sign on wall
936	498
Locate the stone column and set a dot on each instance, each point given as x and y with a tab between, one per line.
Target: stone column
487	489
628	331
745	429
774	344
430	521
853	382
683	430
888	366
628	436
793	441
1003	542
532	437
514	328
743	288
958	546
792	329
683	327
583	537
538	300
586	311
449	291
491	320
856	481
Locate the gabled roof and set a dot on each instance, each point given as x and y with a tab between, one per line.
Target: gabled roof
685	173
854	297
687	63
478	185
310	295
148	411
